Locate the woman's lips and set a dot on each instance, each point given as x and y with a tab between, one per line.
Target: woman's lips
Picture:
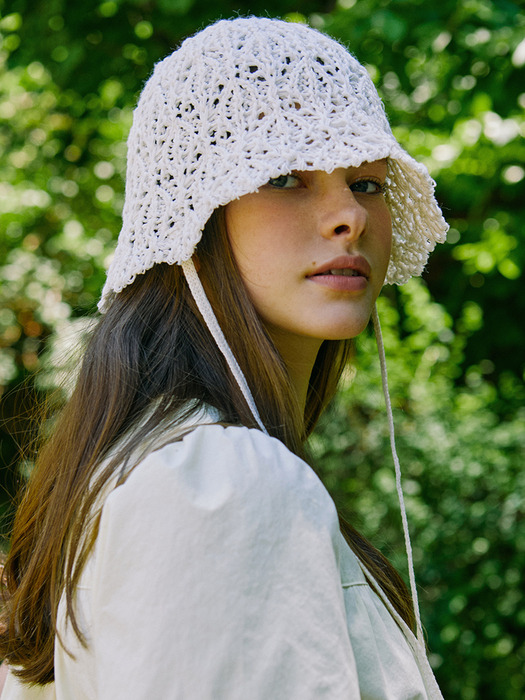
341	283
347	273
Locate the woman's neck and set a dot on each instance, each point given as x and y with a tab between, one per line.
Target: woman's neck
299	354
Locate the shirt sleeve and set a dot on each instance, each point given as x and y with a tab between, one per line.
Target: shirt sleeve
216	576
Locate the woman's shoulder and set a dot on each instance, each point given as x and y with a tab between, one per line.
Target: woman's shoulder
214	462
222	489
236	474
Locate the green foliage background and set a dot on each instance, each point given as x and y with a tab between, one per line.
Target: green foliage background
452	75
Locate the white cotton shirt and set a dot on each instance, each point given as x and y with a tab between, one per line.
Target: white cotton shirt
220	573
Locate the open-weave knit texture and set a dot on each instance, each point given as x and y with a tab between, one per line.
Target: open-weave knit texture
243	101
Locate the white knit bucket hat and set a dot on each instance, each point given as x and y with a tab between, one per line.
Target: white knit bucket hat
243	101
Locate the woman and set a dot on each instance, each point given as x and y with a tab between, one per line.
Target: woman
173	542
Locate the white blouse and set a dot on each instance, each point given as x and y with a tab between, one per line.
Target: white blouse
219	573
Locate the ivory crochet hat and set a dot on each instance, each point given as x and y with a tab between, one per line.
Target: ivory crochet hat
243	101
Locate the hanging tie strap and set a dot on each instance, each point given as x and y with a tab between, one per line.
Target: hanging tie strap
204	306
408	546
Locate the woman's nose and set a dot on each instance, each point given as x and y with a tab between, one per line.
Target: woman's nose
342	215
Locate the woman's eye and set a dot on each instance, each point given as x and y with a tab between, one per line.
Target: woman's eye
284	182
367	187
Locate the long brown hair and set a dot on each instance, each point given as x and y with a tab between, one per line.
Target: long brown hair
150	361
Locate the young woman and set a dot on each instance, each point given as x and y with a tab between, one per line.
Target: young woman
173	542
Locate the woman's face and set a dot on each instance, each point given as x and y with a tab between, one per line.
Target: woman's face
313	250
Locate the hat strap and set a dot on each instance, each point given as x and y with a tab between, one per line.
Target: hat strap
204	306
408	546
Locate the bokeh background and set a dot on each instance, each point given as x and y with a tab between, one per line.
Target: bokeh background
452	75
